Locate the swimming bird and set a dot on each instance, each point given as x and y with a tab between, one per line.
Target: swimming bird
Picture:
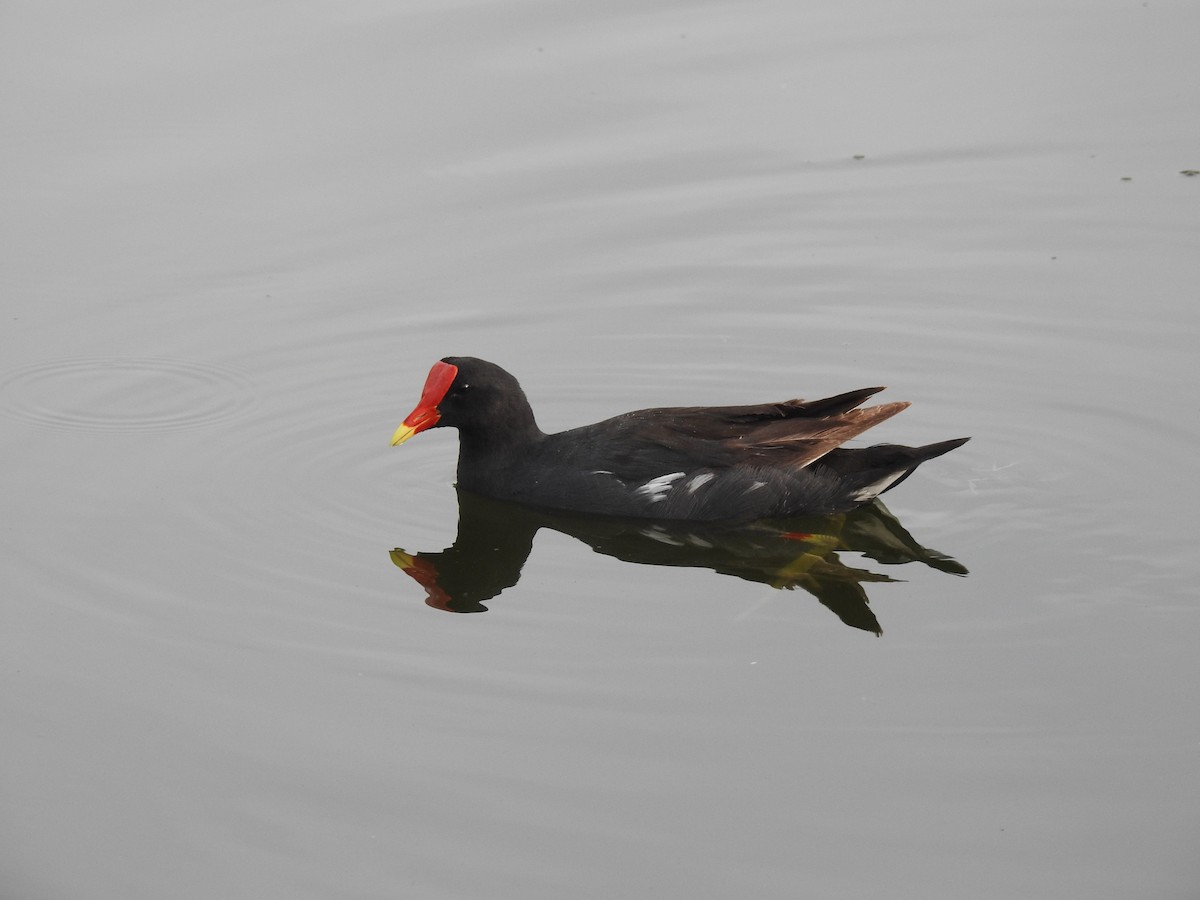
699	463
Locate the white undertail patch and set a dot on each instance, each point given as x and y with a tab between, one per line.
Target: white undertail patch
656	488
873	490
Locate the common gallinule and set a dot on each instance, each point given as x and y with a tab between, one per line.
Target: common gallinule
693	462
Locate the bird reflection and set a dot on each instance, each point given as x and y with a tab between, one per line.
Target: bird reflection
495	538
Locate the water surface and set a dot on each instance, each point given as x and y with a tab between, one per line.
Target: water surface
236	237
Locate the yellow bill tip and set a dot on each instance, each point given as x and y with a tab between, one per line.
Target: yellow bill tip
403	433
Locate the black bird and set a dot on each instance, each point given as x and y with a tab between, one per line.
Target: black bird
698	463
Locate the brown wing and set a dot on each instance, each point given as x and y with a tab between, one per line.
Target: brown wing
793	433
798	442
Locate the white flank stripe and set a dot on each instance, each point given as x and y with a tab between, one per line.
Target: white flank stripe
656	488
699	481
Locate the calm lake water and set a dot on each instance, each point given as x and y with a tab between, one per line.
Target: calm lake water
237	235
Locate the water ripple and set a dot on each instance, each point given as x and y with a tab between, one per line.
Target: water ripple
123	394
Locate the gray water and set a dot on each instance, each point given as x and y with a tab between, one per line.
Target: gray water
237	235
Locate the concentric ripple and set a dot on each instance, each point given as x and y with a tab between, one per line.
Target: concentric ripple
123	394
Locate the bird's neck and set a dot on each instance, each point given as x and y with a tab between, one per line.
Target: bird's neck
502	444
